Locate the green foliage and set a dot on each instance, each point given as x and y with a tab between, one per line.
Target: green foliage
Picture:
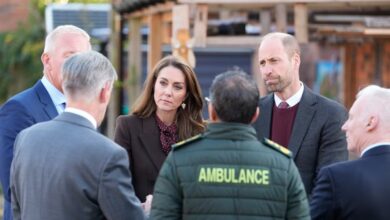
20	52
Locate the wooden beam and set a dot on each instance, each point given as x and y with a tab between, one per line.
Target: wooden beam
200	26
281	17
154	40
301	23
234	41
180	19
167	16
385	66
265	19
115	57
134	68
158	8
377	31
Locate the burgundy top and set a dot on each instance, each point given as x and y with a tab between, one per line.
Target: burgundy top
282	124
168	135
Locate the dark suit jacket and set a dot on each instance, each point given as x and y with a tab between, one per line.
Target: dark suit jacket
21	111
316	139
64	169
356	189
141	138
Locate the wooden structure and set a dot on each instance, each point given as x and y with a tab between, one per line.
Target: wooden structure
359	28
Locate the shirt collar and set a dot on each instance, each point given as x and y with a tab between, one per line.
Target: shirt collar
83	114
56	96
293	100
373	146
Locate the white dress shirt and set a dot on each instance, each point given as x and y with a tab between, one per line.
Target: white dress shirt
56	96
293	100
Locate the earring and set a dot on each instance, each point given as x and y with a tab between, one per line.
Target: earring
183	105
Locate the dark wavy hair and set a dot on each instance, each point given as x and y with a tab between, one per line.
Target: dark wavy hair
189	120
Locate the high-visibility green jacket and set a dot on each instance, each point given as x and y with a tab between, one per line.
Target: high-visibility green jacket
226	173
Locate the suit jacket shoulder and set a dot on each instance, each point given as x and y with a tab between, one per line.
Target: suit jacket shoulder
324	103
36	101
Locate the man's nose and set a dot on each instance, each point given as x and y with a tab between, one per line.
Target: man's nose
266	70
344	127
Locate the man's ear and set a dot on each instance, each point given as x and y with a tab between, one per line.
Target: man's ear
105	93
256	115
45	58
372	123
212	113
297	59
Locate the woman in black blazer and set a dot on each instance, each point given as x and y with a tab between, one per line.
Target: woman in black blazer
167	111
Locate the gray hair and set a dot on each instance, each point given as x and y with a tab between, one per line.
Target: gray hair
377	101
62	29
234	96
290	43
84	75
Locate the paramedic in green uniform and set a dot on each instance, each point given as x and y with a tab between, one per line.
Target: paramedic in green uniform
226	173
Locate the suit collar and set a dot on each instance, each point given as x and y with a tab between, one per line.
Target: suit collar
150	139
305	113
45	99
74	119
83	114
377	150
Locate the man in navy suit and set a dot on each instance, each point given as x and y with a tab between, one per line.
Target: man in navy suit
359	189
42	102
308	124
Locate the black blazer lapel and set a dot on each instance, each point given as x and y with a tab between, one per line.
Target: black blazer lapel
45	99
150	139
266	105
303	119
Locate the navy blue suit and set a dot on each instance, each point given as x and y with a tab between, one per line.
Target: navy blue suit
19	112
358	189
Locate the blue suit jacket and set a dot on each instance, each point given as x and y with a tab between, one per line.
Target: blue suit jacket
316	138
356	189
19	112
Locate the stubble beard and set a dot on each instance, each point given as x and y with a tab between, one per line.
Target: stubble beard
277	87
282	84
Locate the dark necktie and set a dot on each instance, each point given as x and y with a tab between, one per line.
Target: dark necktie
63	105
283	105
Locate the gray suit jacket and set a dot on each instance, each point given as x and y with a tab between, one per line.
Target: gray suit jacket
316	139
64	169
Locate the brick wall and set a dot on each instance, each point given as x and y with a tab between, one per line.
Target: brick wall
12	13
